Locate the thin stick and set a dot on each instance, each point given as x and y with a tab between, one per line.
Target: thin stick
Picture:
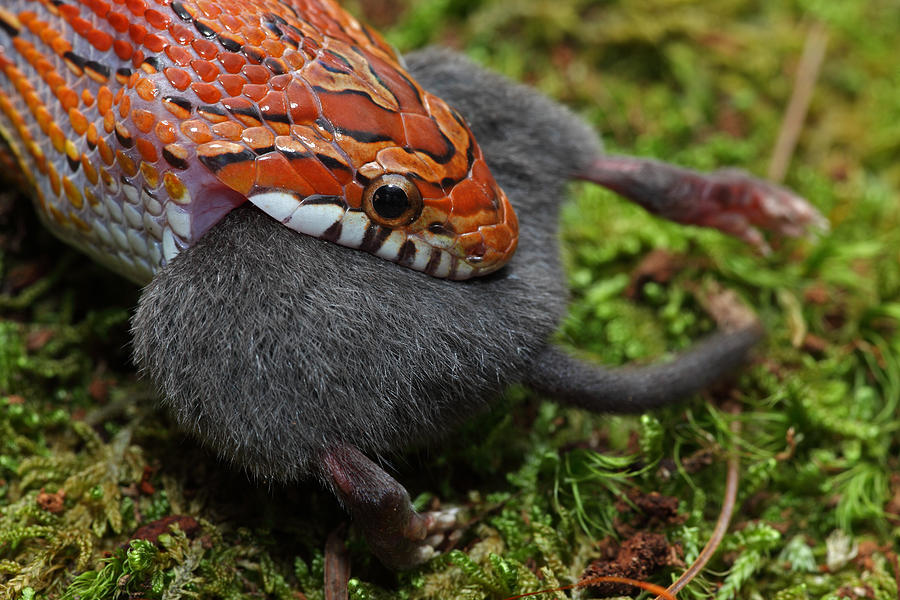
804	83
731	488
337	566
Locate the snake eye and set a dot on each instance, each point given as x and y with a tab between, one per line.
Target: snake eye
392	200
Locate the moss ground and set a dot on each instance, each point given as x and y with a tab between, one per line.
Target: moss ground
85	458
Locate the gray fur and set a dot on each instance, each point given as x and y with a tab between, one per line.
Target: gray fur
271	346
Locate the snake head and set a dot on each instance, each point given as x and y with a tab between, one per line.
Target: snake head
368	159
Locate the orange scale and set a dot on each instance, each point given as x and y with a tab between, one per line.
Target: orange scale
206	92
137	7
149	172
154	43
470	201
239	176
165	132
301	103
272	48
92	135
109	122
275	171
137	61
126	163
228	130
181	34
27	17
256	73
280	82
106	153
179	78
78	120
232	84
320	177
53	175
197	131
499	237
210	9
104	100
57	138
353	193
231	23
205	70
255	91
205	49
254	35
258	138
231	61
181	56
99	8
119	21
100	40
123	49
124	104
175	188
73	193
157	19
67	97
137	33
89	171
81	26
143	119
146	89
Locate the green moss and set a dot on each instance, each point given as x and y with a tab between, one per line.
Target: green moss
692	82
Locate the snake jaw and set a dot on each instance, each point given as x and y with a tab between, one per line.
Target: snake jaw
443	255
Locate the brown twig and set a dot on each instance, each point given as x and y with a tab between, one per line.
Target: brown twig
804	83
731	487
337	566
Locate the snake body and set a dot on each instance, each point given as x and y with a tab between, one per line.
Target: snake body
138	124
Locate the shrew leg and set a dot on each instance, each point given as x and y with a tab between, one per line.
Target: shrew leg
381	509
730	200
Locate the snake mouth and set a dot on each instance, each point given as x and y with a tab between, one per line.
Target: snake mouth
444	255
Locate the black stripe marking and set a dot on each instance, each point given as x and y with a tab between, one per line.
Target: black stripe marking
123	136
204	30
335	63
331	163
256	55
333	233
320	200
174	160
407	253
433	261
229	43
73	163
182	103
75	59
152	62
218	162
363	136
454	263
275	65
374	238
8	27
208	108
98	68
181	11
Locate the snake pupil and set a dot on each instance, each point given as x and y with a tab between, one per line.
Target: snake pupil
390	201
